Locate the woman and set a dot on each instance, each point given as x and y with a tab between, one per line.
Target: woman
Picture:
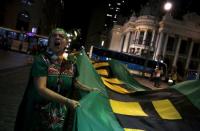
45	103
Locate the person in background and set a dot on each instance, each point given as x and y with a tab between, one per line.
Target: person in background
157	75
174	76
46	100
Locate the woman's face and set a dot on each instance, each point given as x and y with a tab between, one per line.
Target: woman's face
58	41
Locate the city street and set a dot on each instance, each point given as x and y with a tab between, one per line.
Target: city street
13	79
14	71
13	83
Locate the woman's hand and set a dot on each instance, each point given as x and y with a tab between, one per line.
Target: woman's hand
73	103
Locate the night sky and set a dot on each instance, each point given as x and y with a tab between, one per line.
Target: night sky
78	12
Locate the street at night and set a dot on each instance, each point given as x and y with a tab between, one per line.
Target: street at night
14	73
103	65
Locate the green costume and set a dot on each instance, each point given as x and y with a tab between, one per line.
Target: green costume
37	113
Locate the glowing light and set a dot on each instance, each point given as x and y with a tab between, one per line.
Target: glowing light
65	56
102	43
34	30
109	15
68	35
69	40
168	6
76	34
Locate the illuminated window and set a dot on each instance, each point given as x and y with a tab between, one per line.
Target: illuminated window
27	2
34	30
109	15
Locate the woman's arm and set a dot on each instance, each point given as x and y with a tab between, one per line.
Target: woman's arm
40	83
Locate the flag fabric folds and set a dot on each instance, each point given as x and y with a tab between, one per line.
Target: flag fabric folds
123	104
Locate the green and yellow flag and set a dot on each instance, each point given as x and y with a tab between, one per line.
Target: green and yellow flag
125	105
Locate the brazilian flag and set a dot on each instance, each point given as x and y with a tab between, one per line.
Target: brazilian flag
122	104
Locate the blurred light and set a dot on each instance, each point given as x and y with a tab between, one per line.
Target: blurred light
69	40
76	34
170	81
65	55
118	3
168	6
102	43
68	35
109	4
109	15
30	34
34	30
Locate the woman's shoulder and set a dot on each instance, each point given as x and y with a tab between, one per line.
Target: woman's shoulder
42	58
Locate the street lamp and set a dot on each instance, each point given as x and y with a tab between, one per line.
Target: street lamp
168	6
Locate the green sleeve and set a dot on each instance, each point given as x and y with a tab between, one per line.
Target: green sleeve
39	67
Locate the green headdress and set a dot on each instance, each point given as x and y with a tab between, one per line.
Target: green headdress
60	30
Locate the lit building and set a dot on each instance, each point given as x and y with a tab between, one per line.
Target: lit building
174	41
103	18
115	9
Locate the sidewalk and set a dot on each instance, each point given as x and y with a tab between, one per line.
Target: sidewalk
10	59
146	82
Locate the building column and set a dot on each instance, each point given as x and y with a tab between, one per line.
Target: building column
144	38
122	42
189	55
137	37
158	48
129	40
165	45
133	38
152	38
177	52
125	46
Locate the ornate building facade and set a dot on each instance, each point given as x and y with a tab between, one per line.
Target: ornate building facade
177	42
